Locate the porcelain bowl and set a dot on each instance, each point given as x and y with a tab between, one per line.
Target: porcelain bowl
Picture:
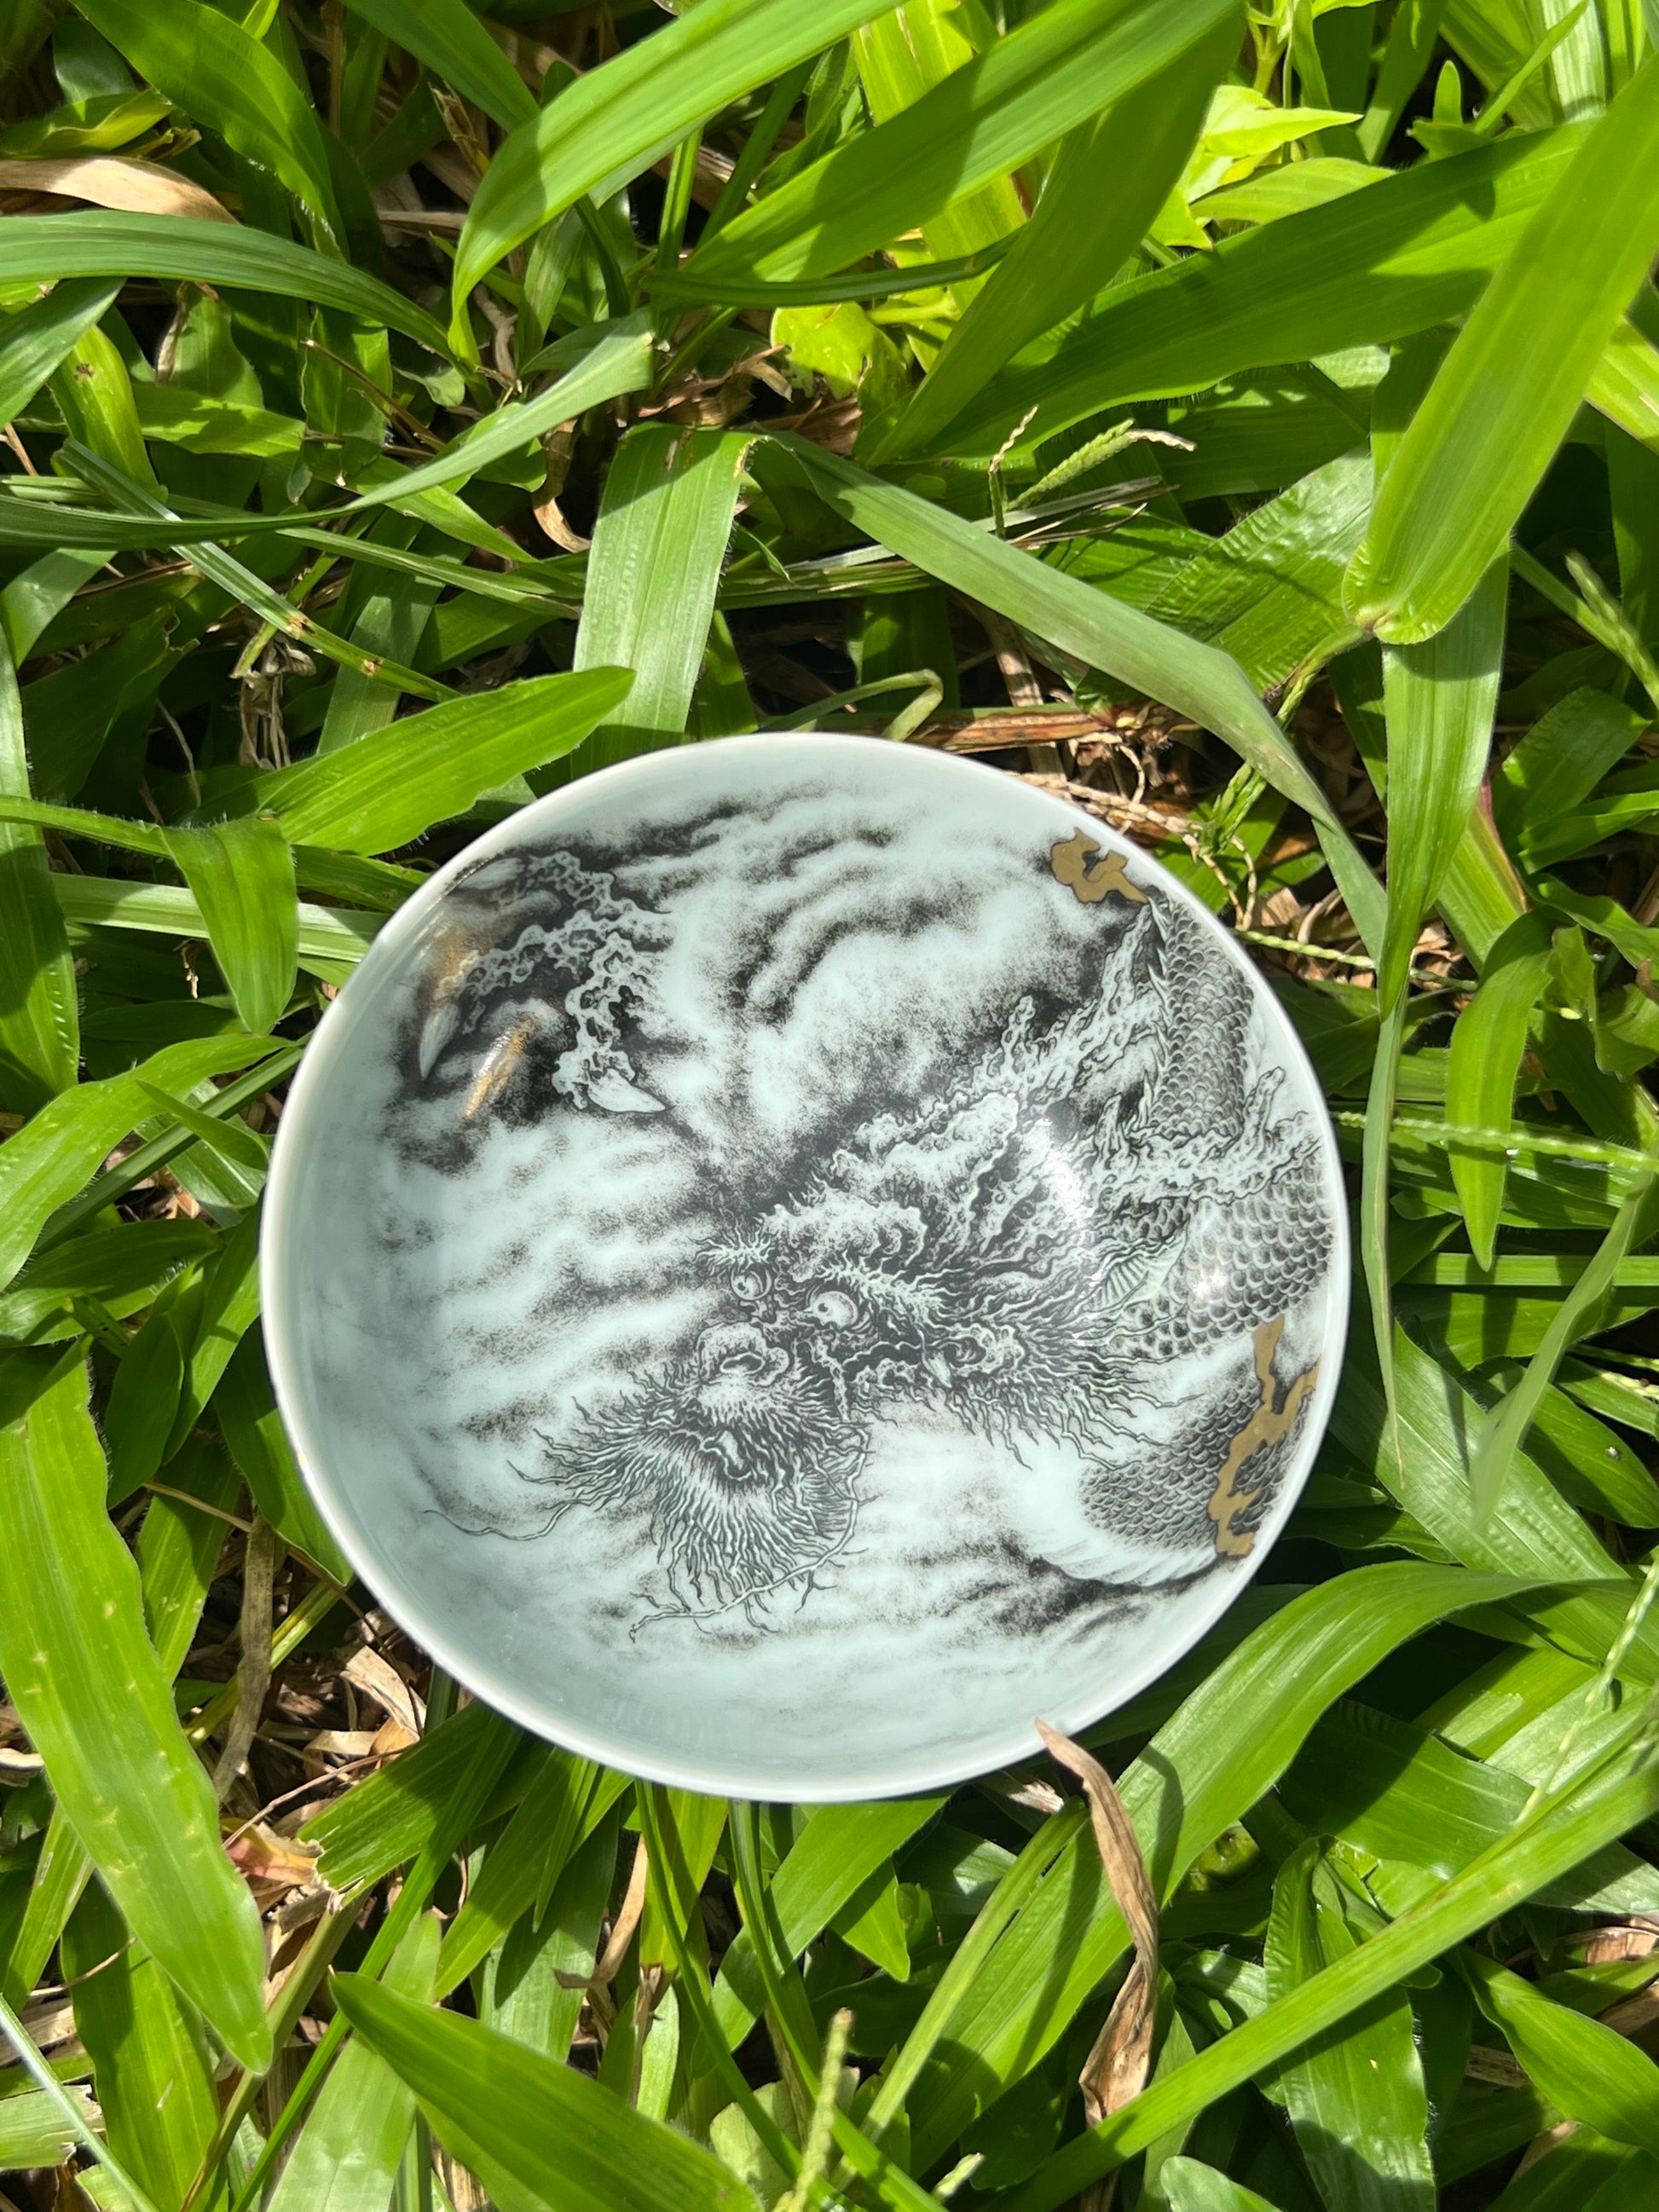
795	1255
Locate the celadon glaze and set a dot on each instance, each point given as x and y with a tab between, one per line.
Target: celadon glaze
795	1255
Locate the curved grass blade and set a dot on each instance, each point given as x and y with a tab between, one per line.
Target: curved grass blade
612	124
391	786
210	65
81	1669
1508	390
554	2138
1487	1046
1096	207
1197	678
36	248
1586	2068
1040	81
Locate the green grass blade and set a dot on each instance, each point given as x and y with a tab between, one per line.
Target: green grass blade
1189	2186
1439	700
37	338
1401	256
394	784
555	2139
1504	1431
254	1433
112	243
1580	1819
1507	392
1103	632
617	119
1591	2073
1487	1046
241	875
55	1152
653	573
210	65
1200	1773
346	2156
39	1016
1094	211
151	2062
83	1673
620	361
455	45
1040	81
1356	2100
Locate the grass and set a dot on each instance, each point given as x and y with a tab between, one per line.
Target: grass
1247	425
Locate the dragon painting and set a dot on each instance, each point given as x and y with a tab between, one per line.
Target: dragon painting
1091	1234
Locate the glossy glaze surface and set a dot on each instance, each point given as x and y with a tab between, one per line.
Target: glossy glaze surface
794	1256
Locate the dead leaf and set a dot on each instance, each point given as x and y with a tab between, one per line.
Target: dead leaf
264	1856
108	180
378	1679
1116	2069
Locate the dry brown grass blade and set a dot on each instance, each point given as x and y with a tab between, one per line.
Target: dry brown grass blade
1116	2069
105	180
608	1963
253	1676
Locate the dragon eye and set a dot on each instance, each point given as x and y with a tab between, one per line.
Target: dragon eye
751	1283
834	1309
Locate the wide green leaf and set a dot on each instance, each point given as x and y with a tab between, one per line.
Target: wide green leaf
555	2139
1189	2186
1509	388
658	546
241	875
394	784
84	1676
1593	2074
1355	2096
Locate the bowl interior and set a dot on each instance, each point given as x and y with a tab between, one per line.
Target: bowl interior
793	1256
